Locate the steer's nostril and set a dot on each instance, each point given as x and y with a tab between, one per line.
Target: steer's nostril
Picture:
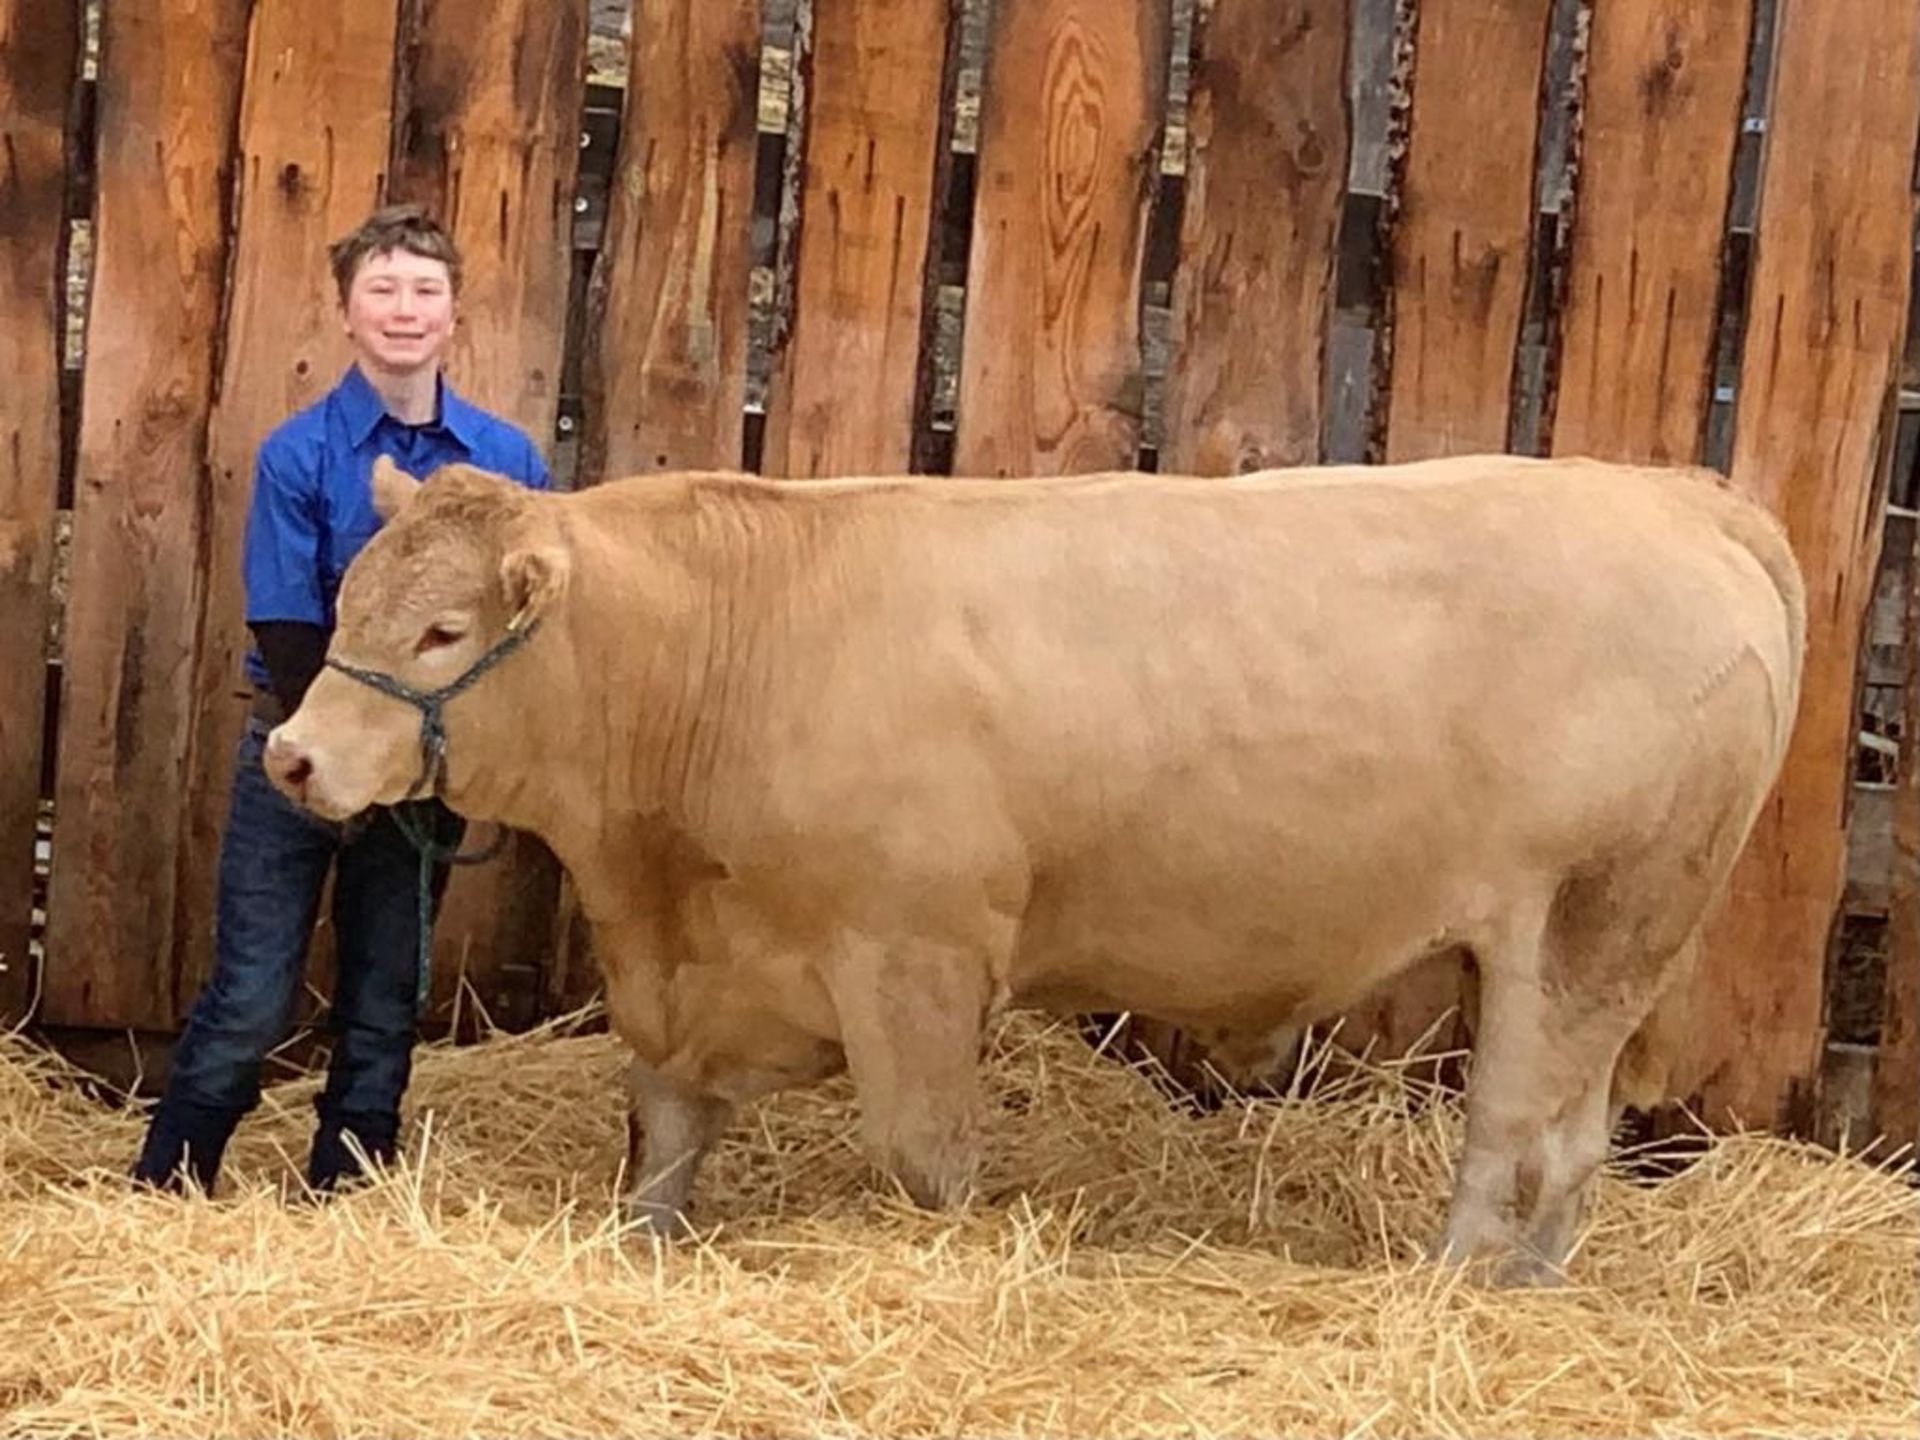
287	765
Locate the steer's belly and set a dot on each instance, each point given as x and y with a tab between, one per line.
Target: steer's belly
1246	957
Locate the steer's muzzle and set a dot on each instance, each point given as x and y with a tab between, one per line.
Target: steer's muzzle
288	766
303	766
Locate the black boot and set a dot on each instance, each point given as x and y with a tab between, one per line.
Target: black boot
184	1142
333	1165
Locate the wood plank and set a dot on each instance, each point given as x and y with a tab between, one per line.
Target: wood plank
1464	232
1665	82
168	93
666	376
38	66
1459	259
1871	856
843	399
1266	183
1896	1075
1072	102
1834	254
490	142
314	139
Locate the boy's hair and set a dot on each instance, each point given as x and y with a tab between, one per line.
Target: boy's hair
393	227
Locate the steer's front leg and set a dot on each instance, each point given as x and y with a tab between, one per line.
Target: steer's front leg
911	1016
669	1131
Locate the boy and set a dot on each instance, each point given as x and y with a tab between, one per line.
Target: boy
398	276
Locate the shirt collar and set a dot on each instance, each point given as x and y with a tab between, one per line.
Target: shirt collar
363	409
460	419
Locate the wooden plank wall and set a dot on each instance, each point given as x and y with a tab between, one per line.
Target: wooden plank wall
1268	143
1071	105
843	400
1826	321
167	96
39	60
489	140
667	372
1664	89
1464	233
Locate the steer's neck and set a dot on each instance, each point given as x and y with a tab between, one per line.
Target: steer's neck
646	680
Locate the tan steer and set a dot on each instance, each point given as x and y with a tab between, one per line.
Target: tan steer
840	768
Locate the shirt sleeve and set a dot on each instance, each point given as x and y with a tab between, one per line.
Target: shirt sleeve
293	652
534	473
281	553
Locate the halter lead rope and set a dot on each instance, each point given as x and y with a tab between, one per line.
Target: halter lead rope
415	817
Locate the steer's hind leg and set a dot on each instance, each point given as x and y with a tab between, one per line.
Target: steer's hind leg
912	1015
669	1131
1557	1004
1536	1131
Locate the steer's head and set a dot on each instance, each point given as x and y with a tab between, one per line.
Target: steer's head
462	562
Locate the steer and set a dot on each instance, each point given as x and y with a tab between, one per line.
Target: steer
840	769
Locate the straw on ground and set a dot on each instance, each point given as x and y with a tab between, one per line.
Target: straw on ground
1128	1269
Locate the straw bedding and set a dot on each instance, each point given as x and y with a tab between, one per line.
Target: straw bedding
1129	1269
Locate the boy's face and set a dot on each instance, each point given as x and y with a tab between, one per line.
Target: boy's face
399	311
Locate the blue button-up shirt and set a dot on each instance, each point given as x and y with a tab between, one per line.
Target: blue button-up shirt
312	504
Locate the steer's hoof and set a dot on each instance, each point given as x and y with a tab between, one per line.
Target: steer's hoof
1502	1267
658	1220
1528	1271
933	1179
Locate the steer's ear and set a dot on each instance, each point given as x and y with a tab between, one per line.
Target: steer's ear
534	574
393	488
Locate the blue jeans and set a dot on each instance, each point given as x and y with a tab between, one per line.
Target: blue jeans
274	859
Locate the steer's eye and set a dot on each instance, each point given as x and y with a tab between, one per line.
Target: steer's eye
438	636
